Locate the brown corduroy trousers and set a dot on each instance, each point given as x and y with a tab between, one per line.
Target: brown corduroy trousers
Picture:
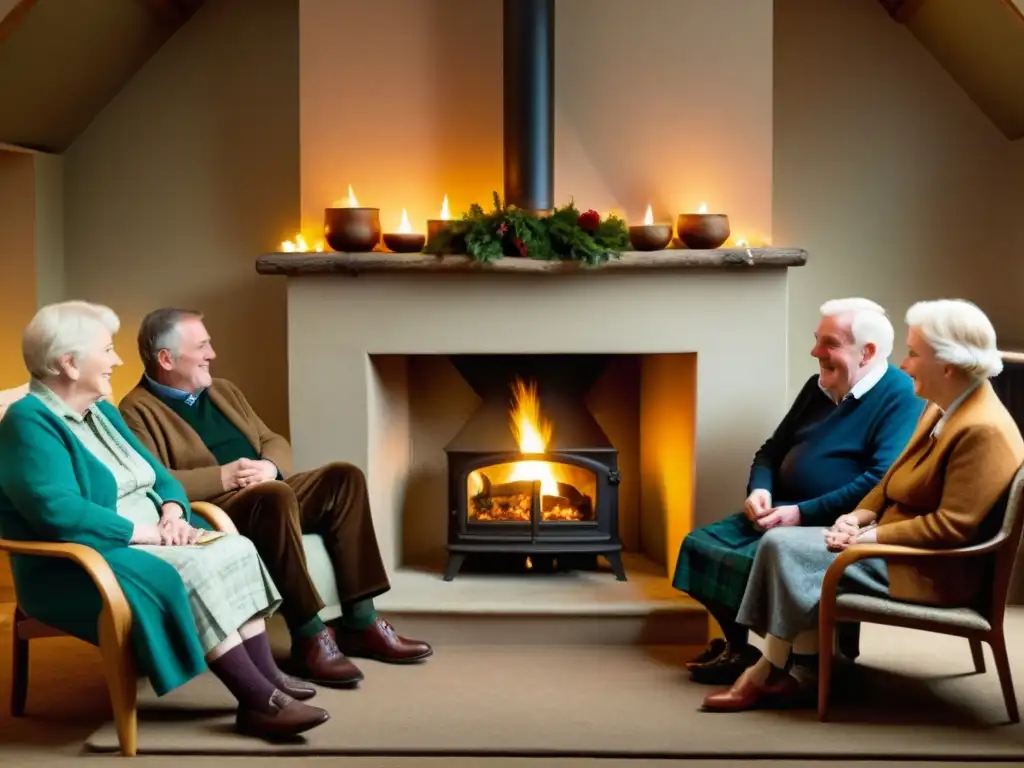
331	501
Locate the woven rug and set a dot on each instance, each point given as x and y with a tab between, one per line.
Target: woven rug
911	695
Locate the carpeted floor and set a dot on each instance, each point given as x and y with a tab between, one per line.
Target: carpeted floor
911	695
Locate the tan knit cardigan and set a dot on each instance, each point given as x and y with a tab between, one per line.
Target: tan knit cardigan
179	448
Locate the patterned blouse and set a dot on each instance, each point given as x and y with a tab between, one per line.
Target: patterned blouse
136	498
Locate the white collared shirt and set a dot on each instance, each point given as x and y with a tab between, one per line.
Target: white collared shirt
937	429
862	387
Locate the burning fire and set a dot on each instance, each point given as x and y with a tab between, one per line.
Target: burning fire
649	217
445	213
404	226
299	245
702	209
532	433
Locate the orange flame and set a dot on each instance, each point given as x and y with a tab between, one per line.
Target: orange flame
532	433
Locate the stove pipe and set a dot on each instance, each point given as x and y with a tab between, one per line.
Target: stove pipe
529	104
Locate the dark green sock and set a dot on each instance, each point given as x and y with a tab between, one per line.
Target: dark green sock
308	629
358	614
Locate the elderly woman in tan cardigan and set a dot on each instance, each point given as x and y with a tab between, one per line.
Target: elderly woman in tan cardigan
937	494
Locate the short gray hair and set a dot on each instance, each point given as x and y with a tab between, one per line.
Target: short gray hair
69	327
960	334
869	323
159	330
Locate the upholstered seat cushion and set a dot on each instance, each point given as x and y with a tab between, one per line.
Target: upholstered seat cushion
881	608
10	396
321	571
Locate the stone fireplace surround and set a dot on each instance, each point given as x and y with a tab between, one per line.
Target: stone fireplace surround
368	381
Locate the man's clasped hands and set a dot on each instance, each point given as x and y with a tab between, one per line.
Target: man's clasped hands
759	510
174	530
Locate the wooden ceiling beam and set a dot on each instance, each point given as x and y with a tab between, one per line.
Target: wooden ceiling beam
173	11
14	17
902	10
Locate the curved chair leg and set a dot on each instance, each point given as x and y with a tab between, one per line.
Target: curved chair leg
826	651
121	682
978	654
998	643
19	667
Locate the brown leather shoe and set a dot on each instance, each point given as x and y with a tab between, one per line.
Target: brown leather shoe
318	660
379	641
288	718
780	690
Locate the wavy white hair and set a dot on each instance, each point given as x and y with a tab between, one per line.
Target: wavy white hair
869	323
960	334
70	327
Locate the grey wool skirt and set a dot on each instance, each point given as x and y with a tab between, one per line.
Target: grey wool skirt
784	588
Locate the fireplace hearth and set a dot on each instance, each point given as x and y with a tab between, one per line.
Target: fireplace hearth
531	475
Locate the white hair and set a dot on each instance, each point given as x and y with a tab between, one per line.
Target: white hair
960	334
869	323
70	327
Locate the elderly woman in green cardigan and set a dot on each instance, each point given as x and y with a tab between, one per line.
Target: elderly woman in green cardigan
71	471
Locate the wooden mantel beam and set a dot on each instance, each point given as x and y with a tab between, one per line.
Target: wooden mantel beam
14	17
305	264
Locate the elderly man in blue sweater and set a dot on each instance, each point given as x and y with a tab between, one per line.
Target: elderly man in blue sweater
845	428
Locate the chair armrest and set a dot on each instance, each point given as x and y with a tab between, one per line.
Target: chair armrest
849	556
214	515
94	565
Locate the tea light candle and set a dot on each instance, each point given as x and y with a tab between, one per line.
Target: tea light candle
404	240
703	230
436	226
347	227
650	236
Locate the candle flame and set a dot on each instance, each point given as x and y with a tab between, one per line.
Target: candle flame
703	208
445	213
741	243
349	202
649	217
404	227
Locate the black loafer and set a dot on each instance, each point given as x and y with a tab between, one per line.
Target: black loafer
727	668
714	649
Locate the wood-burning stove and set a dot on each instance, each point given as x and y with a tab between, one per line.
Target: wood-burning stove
563	500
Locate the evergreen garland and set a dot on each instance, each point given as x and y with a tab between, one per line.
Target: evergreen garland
565	235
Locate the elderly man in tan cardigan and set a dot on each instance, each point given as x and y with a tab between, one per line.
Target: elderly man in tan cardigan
206	433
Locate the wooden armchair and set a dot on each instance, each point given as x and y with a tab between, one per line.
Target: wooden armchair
981	622
115	623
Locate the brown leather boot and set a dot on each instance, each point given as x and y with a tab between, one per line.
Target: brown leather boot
318	660
288	718
379	641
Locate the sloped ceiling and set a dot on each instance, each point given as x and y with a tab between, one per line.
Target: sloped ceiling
62	61
980	43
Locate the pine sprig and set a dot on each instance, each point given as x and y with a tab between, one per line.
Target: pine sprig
507	231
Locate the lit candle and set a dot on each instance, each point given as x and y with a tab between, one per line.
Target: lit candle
404	240
348	227
650	236
436	226
703	230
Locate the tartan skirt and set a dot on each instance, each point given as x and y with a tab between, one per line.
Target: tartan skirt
226	583
715	562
